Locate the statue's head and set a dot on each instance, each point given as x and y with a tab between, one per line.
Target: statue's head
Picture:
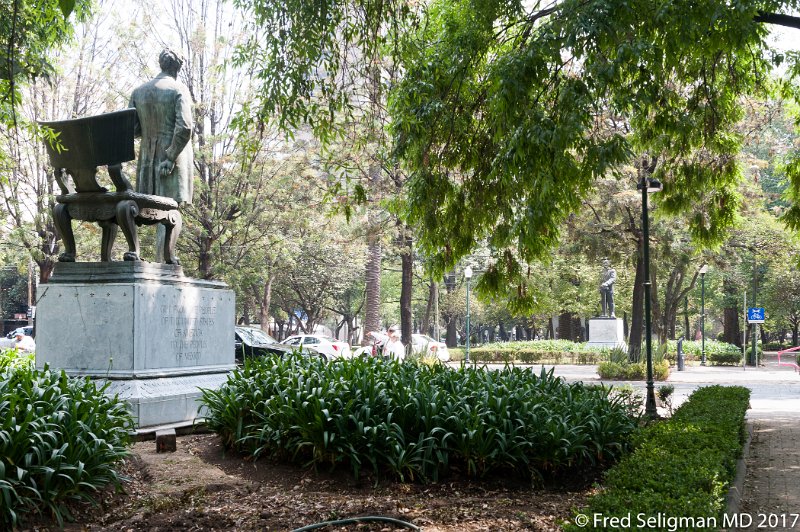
170	62
606	263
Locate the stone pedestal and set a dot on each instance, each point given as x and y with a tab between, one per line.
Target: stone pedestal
606	332
156	335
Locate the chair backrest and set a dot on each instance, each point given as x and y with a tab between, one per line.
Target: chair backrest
85	143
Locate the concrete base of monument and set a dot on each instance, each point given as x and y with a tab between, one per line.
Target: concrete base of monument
157	336
607	332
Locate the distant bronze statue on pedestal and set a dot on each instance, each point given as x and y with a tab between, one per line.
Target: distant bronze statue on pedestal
607	279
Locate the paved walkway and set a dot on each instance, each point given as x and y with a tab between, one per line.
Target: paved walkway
771	493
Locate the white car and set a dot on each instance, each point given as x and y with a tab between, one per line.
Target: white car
422	343
330	347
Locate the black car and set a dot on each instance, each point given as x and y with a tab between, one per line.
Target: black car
253	342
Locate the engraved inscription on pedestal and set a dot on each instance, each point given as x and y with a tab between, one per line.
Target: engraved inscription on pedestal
136	329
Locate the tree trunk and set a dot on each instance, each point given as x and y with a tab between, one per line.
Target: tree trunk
407	285
433	293
732	332
451	338
686	319
46	268
204	260
565	326
795	329
372	291
264	304
637	311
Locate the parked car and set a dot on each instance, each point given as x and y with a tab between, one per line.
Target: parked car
26	330
253	342
330	347
424	344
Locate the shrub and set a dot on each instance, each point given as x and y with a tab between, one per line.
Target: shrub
776	346
538	352
681	467
59	440
13	358
632	371
717	353
415	422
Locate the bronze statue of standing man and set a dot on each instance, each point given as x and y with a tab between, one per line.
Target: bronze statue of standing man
607	279
166	160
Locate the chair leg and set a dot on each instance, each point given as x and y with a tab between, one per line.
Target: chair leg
109	235
127	211
173	225
63	222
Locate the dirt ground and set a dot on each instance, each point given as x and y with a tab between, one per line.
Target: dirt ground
200	487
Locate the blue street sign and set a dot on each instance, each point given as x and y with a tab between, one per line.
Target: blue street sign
755	315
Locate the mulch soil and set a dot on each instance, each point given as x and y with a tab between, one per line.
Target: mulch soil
201	487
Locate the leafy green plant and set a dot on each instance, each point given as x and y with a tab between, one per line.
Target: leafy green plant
539	352
618	355
632	371
665	393
682	466
717	353
60	438
416	422
13	358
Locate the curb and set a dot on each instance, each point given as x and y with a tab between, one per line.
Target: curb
734	497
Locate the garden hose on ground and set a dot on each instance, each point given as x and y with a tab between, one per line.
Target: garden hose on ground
356	520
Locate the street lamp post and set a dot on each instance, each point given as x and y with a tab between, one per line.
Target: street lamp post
467	276
648	186
703	270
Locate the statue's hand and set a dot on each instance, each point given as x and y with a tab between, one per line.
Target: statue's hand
165	167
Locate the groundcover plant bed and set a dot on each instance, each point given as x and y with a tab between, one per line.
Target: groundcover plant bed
60	439
415	422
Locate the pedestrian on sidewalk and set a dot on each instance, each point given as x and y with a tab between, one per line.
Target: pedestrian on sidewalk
392	346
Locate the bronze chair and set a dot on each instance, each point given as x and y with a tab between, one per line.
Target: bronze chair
84	144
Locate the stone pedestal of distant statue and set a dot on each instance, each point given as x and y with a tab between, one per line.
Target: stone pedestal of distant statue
607	330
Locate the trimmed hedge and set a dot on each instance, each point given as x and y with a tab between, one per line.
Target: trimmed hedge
717	353
539	352
632	371
681	467
60	438
417	422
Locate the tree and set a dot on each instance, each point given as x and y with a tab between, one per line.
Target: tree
328	66
30	31
507	104
26	177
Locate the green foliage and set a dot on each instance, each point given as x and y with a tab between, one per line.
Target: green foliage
682	466
533	80
298	39
717	353
415	422
538	352
632	371
13	359
60	438
29	32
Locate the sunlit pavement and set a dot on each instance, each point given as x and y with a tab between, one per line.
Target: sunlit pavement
775	389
